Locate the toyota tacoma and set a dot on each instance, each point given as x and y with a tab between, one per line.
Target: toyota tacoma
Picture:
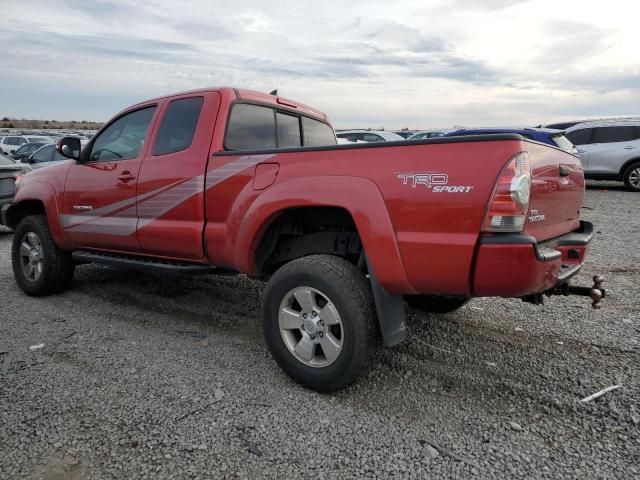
225	179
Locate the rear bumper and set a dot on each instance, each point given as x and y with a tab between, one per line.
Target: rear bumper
515	265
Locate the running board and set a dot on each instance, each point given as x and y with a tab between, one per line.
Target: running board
144	263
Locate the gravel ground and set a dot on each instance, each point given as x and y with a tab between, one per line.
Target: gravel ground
144	376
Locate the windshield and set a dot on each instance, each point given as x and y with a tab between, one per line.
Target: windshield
564	143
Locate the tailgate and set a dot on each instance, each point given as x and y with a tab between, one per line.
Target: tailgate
557	192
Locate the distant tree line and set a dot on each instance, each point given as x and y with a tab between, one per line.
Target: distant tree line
49	124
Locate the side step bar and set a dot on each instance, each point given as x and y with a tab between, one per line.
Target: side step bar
144	263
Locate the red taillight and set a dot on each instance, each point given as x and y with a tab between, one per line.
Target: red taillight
510	200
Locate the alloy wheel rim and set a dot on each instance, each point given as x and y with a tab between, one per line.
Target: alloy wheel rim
634	178
31	256
311	327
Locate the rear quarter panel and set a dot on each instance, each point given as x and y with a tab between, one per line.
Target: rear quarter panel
435	233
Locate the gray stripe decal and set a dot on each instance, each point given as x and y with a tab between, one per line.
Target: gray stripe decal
68	220
141	210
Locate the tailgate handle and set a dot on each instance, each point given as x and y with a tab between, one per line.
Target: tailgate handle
564	170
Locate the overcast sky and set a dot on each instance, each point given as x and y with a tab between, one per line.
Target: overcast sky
413	63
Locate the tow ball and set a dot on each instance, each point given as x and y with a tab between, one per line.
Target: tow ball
595	292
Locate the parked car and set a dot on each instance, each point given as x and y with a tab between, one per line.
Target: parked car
39	139
44	156
426	134
562	125
10	143
9	173
232	179
609	150
404	133
346	141
555	138
369	135
567	125
26	150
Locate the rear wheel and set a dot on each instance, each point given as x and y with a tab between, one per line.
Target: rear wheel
631	177
435	304
318	321
39	266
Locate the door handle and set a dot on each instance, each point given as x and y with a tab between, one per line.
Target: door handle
126	176
628	148
564	170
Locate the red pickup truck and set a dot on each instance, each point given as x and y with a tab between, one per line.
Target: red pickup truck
225	179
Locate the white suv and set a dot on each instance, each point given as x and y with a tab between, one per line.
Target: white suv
11	143
609	150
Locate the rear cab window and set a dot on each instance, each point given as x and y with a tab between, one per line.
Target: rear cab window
289	134
257	127
251	127
317	134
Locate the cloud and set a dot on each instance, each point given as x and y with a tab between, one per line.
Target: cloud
571	43
413	63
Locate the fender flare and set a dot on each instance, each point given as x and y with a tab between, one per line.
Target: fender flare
359	196
44	193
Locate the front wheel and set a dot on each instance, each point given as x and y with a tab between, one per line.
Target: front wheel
318	319
631	177
39	266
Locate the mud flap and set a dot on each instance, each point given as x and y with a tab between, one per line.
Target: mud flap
390	311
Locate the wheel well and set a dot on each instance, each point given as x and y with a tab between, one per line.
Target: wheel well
627	165
303	231
23	209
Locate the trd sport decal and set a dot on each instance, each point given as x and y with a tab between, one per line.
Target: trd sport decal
436	182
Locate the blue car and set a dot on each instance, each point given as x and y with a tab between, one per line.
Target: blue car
550	136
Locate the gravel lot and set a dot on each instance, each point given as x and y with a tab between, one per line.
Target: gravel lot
144	376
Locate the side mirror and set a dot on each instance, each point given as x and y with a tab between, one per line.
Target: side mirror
69	147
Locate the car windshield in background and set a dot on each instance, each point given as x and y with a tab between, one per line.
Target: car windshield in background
564	143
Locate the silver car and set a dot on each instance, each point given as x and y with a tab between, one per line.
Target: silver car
43	157
609	150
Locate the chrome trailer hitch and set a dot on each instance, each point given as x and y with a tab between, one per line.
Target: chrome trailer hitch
595	292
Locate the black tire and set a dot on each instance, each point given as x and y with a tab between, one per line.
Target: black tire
349	291
631	177
57	265
435	304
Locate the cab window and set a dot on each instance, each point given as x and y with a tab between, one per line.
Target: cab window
288	130
178	126
317	134
124	138
251	127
